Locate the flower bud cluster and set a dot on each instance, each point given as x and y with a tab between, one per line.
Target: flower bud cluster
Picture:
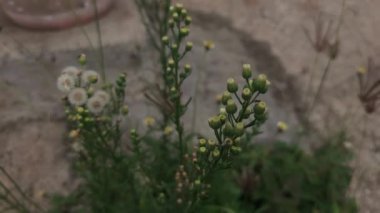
182	183
174	73
90	106
240	111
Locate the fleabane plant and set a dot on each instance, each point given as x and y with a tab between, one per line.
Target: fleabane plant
240	116
93	108
151	173
174	71
240	112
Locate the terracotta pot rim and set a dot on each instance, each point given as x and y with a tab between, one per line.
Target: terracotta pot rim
61	20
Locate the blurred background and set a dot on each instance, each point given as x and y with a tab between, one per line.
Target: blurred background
294	42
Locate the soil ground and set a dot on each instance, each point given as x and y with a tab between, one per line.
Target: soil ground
267	33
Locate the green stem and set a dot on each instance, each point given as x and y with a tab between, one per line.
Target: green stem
100	42
195	97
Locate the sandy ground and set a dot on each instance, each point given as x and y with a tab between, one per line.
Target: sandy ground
267	33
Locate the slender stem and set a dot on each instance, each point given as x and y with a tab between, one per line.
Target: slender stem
218	136
237	97
320	87
311	77
81	27
13	202
19	190
198	81
100	42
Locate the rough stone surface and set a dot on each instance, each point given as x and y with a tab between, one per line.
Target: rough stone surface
267	33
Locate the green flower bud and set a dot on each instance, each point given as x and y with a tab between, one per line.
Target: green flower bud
208	45
123	77
189	46
239	129
260	108
171	9
178	6
202	149
183	12
82	59
214	122
165	40
173	90
247	71
184	31
232	86
175	16
225	97
231	107
228	141
202	141
216	153
235	149
247	113
211	142
188	20
228	130
94	79
173	94
171	23
261	117
125	110
80	109
171	63
222	111
197	182
134	133
223	118
187	68
79	117
174	47
260	84
246	94
282	126
168	130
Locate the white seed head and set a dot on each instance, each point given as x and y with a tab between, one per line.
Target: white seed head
77	96
95	104
89	76
65	83
77	147
103	95
71	71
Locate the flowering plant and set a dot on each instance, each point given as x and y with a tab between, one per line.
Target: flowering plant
169	168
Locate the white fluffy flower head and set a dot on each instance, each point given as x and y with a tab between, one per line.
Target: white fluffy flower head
72	71
103	95
95	104
89	76
77	96
65	83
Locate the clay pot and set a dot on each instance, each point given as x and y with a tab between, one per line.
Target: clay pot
53	14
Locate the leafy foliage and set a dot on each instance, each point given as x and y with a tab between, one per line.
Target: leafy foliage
283	178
